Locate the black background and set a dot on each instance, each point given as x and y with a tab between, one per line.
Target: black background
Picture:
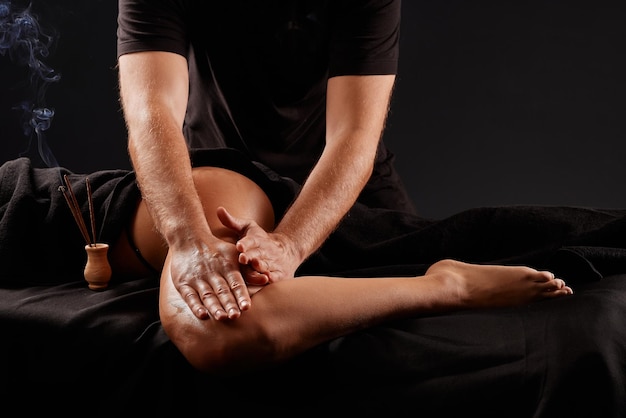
496	102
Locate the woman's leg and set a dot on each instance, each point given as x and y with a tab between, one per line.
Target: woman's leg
291	316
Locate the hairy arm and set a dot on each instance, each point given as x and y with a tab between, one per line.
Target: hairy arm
154	91
357	108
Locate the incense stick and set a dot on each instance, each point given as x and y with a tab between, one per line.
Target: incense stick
70	198
92	215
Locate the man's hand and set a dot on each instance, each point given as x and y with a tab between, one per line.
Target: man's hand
270	255
209	279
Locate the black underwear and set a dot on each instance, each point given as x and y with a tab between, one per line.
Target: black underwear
132	244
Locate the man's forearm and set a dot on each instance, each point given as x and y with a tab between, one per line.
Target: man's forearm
356	112
165	179
327	195
154	91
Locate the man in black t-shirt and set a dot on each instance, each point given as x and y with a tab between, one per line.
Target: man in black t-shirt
300	86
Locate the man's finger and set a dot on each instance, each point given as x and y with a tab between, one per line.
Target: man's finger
231	222
194	302
253	277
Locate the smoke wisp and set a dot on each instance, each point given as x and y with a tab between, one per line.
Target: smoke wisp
25	44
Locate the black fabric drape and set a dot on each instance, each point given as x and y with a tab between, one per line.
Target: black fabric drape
99	354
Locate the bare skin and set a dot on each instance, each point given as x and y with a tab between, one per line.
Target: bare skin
319	308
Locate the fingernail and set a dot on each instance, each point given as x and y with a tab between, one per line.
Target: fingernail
203	313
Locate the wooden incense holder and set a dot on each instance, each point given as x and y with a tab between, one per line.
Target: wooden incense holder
97	270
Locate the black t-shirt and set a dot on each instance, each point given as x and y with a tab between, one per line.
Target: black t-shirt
258	69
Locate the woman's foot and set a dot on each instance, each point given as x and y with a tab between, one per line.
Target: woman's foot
488	286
